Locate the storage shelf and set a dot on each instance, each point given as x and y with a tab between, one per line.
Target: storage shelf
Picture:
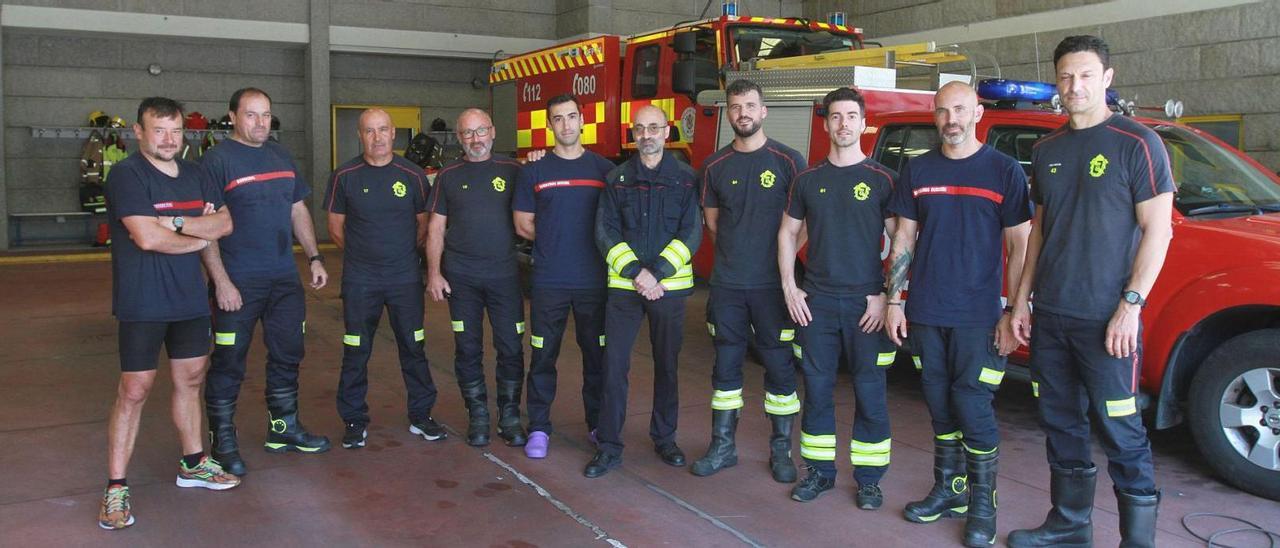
127	133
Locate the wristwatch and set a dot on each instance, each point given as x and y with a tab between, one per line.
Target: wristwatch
178	222
316	257
1133	297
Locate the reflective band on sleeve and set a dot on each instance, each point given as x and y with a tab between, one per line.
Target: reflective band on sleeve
869	454
419	335
787	335
885	359
711	328
991	376
458	326
676	253
351	340
818	447
601	340
781	405
916	360
520	328
535	341
1122	408
620	256
1035	389
224	339
950	436
796	351
726	400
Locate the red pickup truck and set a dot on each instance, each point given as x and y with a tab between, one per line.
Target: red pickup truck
1211	339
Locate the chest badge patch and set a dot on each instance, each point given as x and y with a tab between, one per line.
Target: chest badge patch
862	191
767	178
1098	166
499	184
399	189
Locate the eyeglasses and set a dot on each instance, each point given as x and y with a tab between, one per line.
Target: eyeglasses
477	132
648	130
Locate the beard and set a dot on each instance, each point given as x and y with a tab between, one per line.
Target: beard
748	131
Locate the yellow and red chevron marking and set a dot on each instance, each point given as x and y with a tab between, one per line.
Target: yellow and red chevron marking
532	129
578	54
668	106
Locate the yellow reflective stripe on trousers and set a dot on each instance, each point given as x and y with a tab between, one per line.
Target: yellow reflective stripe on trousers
916	360
224	339
601	340
711	328
351	340
781	405
1035	389
458	326
304	327
978	451
676	253
818	447
991	376
1122	408
797	351
520	328
787	335
726	400
620	256
535	341
885	359
950	436
419	335
863	453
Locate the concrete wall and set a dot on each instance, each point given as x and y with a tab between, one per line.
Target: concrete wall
633	16
59	80
1216	61
440	87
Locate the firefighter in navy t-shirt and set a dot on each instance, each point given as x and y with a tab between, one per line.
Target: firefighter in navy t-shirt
744	190
471	260
1104	198
647	228
255	278
842	203
377	204
162	213
961	200
555	206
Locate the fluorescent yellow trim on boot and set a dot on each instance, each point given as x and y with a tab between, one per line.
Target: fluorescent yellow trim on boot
351	340
950	436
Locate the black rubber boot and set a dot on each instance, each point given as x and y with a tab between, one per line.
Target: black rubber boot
285	431
980	525
1137	519
509	426
1069	522
475	399
780	463
223	446
949	497
722	453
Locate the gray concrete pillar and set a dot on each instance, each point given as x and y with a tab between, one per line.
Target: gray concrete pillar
4	187
318	111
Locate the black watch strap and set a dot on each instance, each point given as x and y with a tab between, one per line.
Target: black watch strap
316	257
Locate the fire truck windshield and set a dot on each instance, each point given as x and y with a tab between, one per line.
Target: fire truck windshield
1212	180
775	43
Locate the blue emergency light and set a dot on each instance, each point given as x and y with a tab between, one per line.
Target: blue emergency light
729	8
836	18
1000	89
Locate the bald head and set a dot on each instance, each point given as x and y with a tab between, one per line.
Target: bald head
956	112
650	130
475	130
376	136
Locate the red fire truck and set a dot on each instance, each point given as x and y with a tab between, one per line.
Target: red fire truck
1212	330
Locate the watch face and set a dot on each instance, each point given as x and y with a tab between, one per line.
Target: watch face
1132	297
178	222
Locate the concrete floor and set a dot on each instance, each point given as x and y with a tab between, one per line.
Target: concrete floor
59	368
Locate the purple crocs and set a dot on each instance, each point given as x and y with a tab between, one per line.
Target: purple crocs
536	448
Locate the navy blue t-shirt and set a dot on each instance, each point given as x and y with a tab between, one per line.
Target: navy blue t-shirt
749	189
480	238
147	286
1089	182
562	194
844	209
962	207
381	204
260	186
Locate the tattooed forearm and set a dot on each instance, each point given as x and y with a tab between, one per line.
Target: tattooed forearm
898	272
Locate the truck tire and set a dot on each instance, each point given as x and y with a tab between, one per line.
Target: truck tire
1235	411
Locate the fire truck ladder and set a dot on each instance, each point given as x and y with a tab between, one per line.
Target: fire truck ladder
923	54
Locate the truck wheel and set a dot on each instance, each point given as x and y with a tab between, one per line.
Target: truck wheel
1235	411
